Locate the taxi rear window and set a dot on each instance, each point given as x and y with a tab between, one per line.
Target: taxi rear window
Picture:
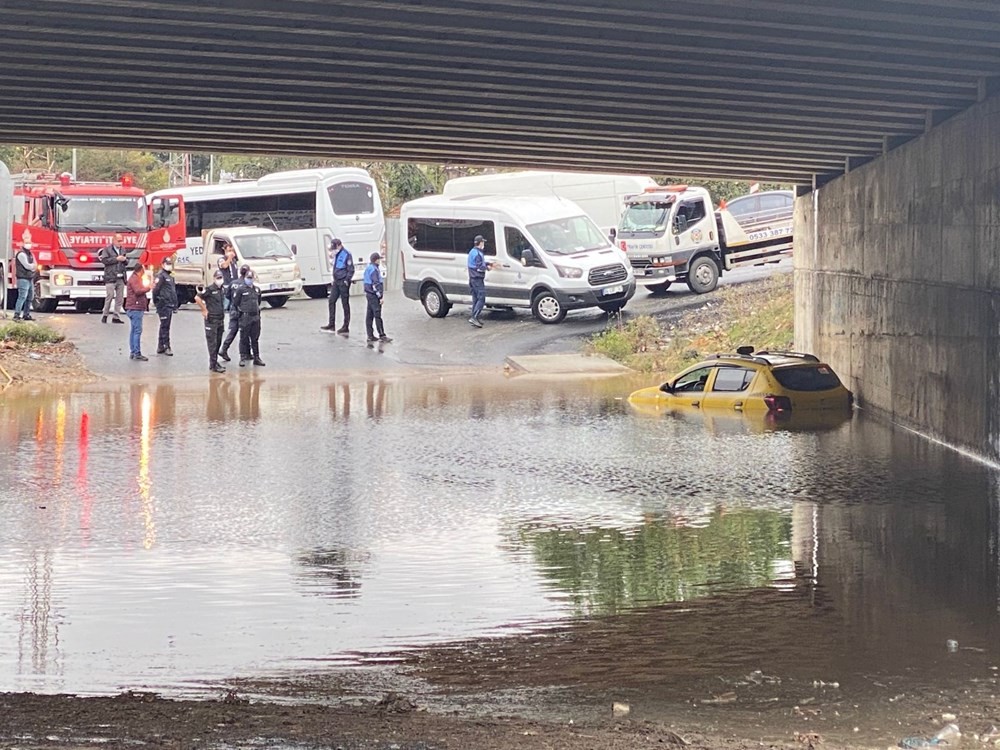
814	378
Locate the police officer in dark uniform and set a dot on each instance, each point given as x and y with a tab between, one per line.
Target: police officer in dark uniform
165	302
230	285
212	304
246	301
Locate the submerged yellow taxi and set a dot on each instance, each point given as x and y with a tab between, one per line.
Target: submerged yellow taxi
752	383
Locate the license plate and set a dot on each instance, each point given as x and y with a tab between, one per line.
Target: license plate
613	290
272	287
98	277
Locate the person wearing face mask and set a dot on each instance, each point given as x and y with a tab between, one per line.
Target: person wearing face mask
25	270
165	302
212	304
231	285
246	302
115	266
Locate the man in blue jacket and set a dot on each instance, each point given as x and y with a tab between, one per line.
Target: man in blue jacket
343	274
374	291
477	279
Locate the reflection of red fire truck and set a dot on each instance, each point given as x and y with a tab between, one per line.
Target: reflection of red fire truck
68	222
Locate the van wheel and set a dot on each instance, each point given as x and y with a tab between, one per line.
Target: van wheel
316	291
703	275
545	306
278	301
659	288
434	301
612	307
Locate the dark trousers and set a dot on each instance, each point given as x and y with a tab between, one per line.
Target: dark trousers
234	328
214	329
374	314
340	290
163	342
478	289
250	338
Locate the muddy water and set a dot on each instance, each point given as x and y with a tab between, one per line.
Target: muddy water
175	536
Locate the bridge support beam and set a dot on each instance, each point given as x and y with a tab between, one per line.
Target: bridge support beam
898	280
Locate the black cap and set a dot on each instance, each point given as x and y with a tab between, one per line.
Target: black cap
375	257
479	238
244	270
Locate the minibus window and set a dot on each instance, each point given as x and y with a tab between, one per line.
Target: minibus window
351	198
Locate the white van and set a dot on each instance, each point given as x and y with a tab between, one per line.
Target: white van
601	196
276	272
549	255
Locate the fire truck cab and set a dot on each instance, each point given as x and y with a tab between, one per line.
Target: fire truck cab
67	223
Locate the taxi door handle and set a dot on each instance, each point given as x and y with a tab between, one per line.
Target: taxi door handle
696	404
738	406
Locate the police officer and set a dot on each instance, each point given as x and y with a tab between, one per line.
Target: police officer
246	301
212	304
477	279
374	291
165	302
230	285
343	273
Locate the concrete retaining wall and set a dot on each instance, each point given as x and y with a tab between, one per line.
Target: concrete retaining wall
897	280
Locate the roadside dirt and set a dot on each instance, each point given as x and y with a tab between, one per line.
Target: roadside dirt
43	364
395	723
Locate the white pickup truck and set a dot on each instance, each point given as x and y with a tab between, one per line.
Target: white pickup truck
276	272
670	233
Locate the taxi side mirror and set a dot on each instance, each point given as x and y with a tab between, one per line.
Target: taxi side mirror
667	388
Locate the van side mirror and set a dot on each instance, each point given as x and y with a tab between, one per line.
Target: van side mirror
612	233
528	257
667	388
680	224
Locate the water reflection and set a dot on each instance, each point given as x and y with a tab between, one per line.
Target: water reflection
606	570
296	522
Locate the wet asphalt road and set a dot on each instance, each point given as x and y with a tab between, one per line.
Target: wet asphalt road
291	341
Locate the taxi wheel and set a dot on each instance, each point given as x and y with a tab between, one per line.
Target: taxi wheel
545	306
703	275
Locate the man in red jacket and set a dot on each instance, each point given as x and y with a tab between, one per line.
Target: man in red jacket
136	304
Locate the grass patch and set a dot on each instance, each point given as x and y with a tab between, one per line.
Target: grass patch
756	314
29	333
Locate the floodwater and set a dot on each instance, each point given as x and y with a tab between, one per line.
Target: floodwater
175	536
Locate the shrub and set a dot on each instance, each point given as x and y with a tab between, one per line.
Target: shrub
29	333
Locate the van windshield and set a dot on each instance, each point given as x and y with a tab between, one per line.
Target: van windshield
567	236
646	217
263	246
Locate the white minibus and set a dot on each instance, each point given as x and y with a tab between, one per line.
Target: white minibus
307	207
548	255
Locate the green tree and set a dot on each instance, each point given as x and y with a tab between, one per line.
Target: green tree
110	165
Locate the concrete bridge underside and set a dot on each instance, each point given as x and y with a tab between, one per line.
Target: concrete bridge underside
884	112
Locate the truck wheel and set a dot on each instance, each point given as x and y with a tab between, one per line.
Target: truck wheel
703	275
278	301
545	306
612	307
88	305
659	288
434	301
47	305
317	291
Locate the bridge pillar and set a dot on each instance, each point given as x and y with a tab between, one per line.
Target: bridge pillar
6	219
897	280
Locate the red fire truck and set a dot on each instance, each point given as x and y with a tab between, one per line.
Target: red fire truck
68	222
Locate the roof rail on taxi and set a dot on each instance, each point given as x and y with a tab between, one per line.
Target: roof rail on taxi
797	355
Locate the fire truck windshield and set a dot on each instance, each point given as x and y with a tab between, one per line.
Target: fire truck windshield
98	212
